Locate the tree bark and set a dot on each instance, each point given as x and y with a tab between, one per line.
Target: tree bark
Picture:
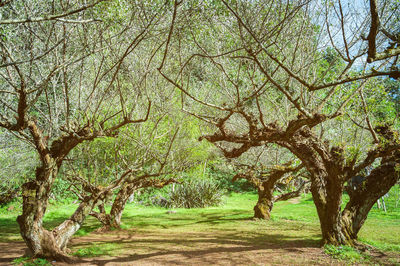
327	182
290	195
376	185
328	200
266	199
265	202
35	195
8	196
329	172
113	220
41	242
119	205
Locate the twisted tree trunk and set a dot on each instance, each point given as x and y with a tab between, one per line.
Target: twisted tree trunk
376	184
265	202
41	242
35	195
292	194
265	188
329	171
119	204
327	182
113	219
328	200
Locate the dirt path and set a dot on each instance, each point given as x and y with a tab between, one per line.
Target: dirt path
10	251
202	249
197	248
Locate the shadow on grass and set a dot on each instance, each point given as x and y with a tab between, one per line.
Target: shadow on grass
186	219
8	229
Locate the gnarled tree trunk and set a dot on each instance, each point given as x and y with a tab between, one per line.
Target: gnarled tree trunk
35	195
265	202
376	185
329	172
292	194
119	204
266	199
113	219
328	200
327	182
265	188
41	242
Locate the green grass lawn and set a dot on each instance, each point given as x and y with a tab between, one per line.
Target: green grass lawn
290	222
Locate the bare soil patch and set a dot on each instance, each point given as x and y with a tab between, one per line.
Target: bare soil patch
193	248
199	249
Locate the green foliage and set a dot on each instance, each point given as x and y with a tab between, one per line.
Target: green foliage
15	206
345	253
329	65
25	261
60	191
199	193
384	246
224	180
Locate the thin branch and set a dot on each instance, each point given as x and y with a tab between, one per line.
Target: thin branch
50	17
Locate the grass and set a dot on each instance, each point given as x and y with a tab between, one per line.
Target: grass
290	223
26	261
99	249
346	253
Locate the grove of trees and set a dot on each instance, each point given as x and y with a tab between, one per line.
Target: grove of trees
111	96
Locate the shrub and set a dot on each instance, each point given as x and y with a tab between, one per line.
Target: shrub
151	196
223	177
196	193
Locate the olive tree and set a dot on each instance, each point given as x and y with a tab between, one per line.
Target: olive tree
279	72
69	74
151	155
269	174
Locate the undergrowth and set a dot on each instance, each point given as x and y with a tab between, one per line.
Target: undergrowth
26	261
346	253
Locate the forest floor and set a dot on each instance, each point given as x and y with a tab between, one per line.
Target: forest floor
223	235
126	247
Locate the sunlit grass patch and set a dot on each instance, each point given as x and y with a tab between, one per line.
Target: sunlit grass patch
346	253
98	249
26	261
233	221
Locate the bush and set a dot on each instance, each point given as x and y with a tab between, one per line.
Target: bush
151	196
196	193
223	177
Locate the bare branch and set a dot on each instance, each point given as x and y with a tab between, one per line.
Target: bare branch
50	17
